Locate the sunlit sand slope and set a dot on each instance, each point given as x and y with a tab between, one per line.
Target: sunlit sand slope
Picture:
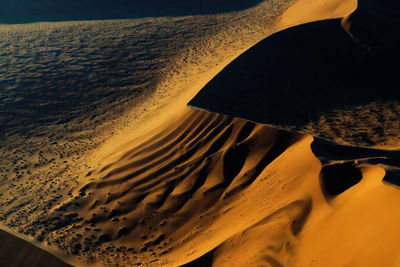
158	195
239	193
137	178
225	191
69	87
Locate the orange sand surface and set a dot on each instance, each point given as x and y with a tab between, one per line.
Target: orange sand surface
173	186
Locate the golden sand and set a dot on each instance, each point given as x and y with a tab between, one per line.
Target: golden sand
181	185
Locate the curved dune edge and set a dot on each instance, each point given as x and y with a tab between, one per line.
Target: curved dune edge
304	11
40	181
272	220
301	11
313	78
256	194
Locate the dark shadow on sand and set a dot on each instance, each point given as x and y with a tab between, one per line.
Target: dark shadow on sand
340	164
204	261
25	11
295	75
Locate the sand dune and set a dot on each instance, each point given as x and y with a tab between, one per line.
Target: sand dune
72	89
167	192
148	181
316	78
212	184
305	11
375	24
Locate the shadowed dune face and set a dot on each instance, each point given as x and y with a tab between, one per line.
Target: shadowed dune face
202	187
44	10
315	78
71	86
68	87
337	178
376	24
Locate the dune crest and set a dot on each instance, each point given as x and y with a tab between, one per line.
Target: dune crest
318	79
72	87
304	11
181	186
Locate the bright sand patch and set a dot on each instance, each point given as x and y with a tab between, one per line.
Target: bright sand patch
304	11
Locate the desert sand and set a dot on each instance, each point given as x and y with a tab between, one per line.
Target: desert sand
17	252
317	78
132	176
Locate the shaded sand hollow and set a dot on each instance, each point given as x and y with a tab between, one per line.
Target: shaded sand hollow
184	186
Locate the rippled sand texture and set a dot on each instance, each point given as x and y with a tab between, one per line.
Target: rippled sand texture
68	87
160	198
104	164
236	193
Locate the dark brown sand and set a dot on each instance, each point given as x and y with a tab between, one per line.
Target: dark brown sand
15	252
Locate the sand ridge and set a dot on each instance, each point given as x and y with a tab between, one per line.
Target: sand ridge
305	11
315	78
191	186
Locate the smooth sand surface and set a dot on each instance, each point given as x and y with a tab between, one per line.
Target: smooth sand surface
16	252
24	11
168	185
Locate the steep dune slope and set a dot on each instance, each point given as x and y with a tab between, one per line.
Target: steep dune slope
71	87
335	83
166	185
305	11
